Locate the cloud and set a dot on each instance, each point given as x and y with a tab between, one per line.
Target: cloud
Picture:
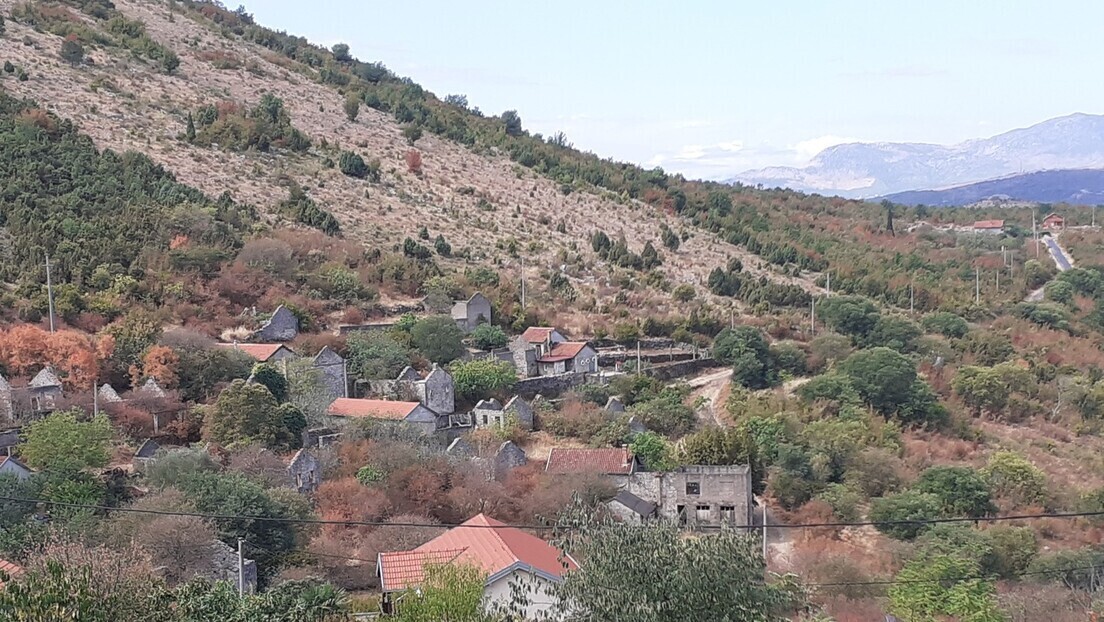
808	149
725	159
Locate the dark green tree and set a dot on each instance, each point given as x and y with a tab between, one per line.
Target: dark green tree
376	356
961	491
72	51
352	106
511	123
438	338
352	164
746	350
268	375
895	511
488	337
883	377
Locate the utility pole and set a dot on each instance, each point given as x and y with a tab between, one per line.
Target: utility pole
522	283
345	376
241	569
1094	216
977	286
638	357
50	292
1035	233
829	284
96	401
812	317
764	534
912	297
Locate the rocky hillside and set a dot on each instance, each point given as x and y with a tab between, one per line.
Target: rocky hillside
490	210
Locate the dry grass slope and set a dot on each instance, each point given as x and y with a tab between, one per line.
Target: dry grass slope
125	103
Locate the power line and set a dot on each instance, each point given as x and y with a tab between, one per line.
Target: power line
353	523
1021	575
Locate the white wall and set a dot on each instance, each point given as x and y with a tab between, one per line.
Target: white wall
500	592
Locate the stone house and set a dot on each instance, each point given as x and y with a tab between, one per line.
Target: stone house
8	441
305	472
108	395
542	338
630	508
44	390
522	411
989	226
282	326
263	352
508	457
331	366
697	495
617	463
151	390
472	312
437	391
615	405
413	413
1054	222
568	357
507	556
460	447
11	466
146	453
523	355
488	412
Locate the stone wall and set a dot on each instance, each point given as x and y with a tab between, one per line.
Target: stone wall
670	371
527	388
697	494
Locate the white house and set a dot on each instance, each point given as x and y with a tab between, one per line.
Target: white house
11	466
506	554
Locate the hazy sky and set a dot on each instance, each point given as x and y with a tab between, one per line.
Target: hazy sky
711	88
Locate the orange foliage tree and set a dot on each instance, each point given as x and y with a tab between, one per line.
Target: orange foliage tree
77	357
161	363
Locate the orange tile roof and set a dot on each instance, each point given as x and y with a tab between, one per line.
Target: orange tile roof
989	224
537	334
10	569
372	409
565	350
482	541
607	460
260	351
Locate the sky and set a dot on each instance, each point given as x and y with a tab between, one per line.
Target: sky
713	88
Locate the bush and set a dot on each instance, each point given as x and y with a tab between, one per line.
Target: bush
352	164
947	324
882	377
746	350
850	315
483	378
1060	291
438	338
1010	476
654	451
788	357
683	293
376	356
961	491
489	337
895	332
895	510
665	414
72	51
844	500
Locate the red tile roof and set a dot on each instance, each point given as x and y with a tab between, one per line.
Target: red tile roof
402	569
563	351
989	224
260	351
481	541
537	334
372	409
10	569
608	460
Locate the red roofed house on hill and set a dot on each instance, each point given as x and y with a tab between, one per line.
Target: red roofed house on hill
989	226
1054	222
10	569
413	413
505	554
616	462
567	357
263	352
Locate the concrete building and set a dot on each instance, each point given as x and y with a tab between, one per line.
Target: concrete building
437	391
44	390
472	312
507	556
697	495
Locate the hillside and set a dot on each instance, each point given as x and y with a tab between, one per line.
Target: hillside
1076	187
873	169
490	210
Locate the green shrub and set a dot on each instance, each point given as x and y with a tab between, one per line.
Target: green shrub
961	491
1013	477
894	511
947	324
844	500
489	337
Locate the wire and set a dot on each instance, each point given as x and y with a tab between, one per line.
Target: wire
352	523
950	579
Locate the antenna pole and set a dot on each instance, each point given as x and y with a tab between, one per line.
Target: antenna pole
977	285
50	292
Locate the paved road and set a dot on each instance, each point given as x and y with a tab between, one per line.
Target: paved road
1056	252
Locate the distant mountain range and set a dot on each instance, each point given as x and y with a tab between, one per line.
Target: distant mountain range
1080	186
864	170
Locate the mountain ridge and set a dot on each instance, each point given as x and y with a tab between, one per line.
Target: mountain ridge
1073	186
865	170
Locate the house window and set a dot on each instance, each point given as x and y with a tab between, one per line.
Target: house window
728	513
693	488
703	512
310	477
298	480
